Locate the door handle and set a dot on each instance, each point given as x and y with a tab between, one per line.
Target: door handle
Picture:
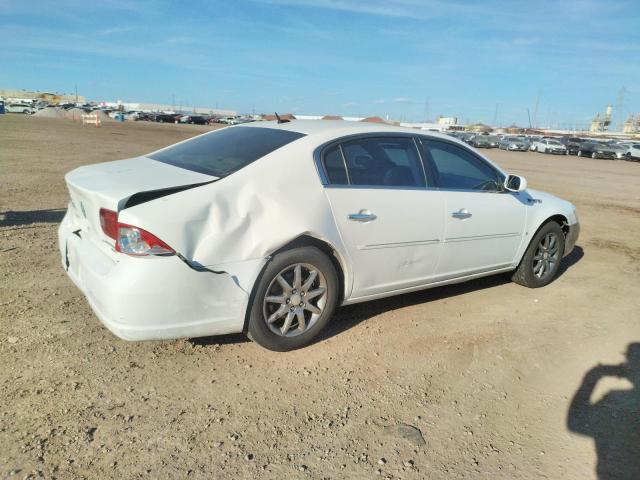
363	215
461	214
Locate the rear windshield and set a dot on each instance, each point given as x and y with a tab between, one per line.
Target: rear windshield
226	151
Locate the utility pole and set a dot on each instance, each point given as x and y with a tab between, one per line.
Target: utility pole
620	108
495	117
529	115
535	111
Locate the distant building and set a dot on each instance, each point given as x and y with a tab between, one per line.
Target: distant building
50	97
600	123
447	121
283	116
632	124
373	120
479	127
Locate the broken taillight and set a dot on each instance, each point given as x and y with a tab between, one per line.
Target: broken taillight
131	240
109	223
138	242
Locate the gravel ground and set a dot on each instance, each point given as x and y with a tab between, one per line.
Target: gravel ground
466	381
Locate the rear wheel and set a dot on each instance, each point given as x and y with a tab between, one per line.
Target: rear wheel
541	261
294	299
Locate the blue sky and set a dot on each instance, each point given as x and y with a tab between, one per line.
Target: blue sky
404	58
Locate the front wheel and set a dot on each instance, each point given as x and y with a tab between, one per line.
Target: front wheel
294	299
579	154
594	155
541	261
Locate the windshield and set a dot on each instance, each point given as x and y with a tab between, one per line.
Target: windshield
554	142
225	151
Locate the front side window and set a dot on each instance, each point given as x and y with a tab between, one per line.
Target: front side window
225	151
384	161
459	169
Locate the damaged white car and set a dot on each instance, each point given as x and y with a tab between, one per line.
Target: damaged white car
266	228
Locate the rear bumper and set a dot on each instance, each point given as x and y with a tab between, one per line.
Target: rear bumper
150	298
571	238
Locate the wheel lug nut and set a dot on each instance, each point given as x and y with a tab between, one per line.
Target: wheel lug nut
288	301
302	294
292	309
293	291
301	304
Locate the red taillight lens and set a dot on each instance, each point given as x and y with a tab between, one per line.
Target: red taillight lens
109	223
138	242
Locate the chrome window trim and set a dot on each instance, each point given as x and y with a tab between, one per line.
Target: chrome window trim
318	156
498	172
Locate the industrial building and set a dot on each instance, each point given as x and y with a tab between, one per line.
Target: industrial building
49	97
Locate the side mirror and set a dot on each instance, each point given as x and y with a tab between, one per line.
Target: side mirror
515	183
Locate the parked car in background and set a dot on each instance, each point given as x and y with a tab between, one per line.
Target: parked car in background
193	119
224	120
166	117
203	238
572	144
619	150
19	108
634	152
550	145
533	141
484	141
512	143
595	149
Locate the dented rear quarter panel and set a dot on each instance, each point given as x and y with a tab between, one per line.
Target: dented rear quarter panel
235	223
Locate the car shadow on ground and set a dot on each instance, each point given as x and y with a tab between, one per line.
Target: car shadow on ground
613	421
351	315
29	217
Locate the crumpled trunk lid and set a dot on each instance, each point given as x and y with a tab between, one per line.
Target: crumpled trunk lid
111	185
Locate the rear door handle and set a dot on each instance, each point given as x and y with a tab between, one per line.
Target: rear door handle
461	214
363	215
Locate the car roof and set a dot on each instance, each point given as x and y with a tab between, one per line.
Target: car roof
339	127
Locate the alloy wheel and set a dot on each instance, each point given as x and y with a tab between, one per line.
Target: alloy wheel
294	300
546	256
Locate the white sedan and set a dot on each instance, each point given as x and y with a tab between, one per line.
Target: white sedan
549	145
266	228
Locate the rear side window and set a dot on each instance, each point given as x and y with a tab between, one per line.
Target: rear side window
226	151
334	167
384	161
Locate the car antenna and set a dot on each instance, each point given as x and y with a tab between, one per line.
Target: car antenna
280	120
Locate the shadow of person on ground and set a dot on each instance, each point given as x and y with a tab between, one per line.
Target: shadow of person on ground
29	217
614	420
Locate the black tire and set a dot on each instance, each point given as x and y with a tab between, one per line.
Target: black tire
525	273
260	331
594	155
579	153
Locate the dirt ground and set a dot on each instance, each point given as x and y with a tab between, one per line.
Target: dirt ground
485	370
